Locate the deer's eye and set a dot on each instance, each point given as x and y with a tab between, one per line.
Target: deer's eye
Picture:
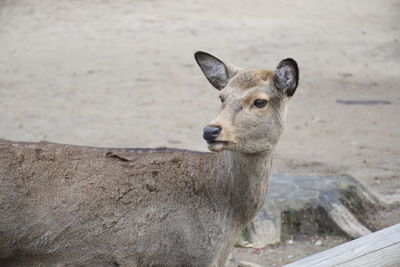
260	103
222	99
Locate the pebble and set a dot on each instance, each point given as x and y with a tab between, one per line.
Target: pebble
248	264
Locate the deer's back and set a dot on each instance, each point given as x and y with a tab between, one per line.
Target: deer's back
111	206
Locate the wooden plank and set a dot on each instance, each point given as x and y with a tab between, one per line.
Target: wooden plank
381	248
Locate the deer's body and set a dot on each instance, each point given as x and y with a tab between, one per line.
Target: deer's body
82	205
72	205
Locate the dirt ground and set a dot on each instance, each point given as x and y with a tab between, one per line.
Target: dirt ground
122	74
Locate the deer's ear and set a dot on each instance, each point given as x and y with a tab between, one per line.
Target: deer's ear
217	72
286	76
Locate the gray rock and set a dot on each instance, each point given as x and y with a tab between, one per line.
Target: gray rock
310	205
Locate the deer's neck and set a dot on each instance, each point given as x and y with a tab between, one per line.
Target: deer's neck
242	179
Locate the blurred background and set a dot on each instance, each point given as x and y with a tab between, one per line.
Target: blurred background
122	74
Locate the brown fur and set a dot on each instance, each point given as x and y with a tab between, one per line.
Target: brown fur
250	78
64	196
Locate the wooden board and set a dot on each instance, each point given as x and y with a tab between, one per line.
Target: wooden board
381	248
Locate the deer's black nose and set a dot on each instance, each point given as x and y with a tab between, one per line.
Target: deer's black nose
211	132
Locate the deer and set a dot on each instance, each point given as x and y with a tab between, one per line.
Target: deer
69	205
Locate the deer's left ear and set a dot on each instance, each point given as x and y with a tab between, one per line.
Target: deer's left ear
286	76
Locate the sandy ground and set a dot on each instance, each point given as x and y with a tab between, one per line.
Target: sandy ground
122	74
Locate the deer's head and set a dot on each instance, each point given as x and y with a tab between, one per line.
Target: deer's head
254	104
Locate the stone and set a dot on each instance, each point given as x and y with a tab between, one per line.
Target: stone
310	205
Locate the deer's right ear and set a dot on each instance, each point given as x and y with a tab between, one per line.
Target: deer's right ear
217	72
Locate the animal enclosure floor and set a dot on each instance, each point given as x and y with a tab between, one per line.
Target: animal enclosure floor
297	247
287	252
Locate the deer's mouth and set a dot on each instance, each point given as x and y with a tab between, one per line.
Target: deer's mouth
217	146
217	142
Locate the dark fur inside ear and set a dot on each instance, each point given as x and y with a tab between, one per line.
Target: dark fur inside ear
214	69
286	76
